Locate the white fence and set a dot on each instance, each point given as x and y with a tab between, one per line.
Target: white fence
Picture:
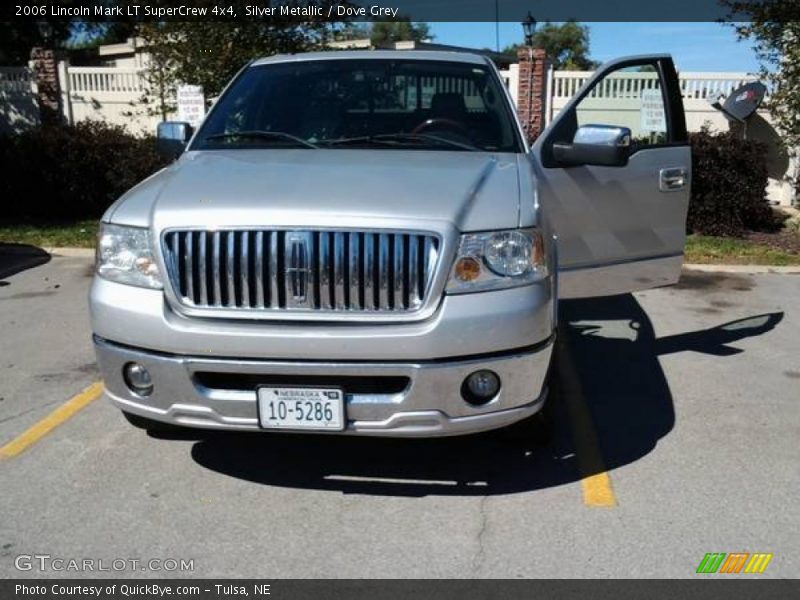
699	90
103	93
108	93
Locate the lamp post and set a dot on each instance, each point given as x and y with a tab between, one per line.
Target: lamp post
529	27
526	104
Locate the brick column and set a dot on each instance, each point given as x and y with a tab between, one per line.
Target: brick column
45	71
531	90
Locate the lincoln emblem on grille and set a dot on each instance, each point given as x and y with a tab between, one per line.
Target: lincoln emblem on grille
298	266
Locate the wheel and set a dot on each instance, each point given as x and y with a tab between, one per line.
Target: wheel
151	425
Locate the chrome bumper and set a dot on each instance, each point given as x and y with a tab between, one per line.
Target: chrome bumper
429	405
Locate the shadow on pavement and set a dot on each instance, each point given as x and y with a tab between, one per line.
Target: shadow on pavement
615	352
19	257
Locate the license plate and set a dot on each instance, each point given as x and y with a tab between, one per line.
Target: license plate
301	408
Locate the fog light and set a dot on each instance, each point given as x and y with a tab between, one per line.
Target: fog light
480	387
138	379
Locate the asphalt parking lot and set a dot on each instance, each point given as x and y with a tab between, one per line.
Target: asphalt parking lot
677	435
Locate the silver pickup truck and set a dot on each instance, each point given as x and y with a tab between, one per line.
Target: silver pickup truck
364	243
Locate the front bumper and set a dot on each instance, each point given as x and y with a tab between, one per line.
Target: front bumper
219	393
463	325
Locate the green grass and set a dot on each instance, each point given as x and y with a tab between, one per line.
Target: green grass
79	234
703	249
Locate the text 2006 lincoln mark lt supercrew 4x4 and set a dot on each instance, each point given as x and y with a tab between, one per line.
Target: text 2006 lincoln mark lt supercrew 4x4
364	243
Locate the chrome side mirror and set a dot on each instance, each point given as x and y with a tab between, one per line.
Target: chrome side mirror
172	137
601	145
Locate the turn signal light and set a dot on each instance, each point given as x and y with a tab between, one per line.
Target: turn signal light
467	269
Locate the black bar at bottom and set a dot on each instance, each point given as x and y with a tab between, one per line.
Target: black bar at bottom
704	586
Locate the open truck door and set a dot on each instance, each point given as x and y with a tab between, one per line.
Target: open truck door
614	171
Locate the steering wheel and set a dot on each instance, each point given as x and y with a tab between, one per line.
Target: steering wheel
441	122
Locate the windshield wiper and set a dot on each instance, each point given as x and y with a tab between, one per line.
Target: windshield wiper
402	137
257	133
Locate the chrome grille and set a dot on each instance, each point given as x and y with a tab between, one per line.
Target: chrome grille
301	270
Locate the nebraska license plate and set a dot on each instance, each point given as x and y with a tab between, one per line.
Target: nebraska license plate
301	408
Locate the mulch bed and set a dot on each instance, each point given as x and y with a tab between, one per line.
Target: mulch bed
786	241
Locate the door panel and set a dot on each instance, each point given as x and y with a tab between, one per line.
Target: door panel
621	228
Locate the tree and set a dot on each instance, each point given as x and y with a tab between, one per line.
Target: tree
89	34
209	53
401	29
566	46
352	31
774	27
18	38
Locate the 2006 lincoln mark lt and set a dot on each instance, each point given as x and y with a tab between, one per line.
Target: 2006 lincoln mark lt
364	243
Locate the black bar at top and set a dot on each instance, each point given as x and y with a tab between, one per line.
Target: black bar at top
376	10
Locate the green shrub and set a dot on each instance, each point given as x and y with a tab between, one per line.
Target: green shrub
729	185
71	172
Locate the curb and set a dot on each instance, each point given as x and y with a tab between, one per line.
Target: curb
744	269
71	252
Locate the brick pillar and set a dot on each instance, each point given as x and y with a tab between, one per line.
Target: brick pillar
45	71
531	90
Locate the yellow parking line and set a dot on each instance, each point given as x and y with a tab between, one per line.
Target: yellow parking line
51	421
595	481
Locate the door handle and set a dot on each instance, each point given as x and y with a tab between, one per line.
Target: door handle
673	180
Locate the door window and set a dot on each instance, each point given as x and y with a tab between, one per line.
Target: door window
630	97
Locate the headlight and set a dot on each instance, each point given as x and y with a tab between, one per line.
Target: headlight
125	255
497	260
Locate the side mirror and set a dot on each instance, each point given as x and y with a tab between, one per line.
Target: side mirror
172	137
601	145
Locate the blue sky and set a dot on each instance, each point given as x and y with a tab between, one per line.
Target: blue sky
695	46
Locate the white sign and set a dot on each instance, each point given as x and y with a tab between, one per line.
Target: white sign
191	104
653	118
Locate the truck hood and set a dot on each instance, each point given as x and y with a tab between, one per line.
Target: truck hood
328	188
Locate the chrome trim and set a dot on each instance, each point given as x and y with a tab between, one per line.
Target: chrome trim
413	264
353	267
274	293
369	272
398	272
325	271
215	271
201	267
228	274
259	269
244	268
272	273
338	270
383	272
188	267
298	264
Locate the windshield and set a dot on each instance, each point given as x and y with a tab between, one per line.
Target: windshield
369	103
